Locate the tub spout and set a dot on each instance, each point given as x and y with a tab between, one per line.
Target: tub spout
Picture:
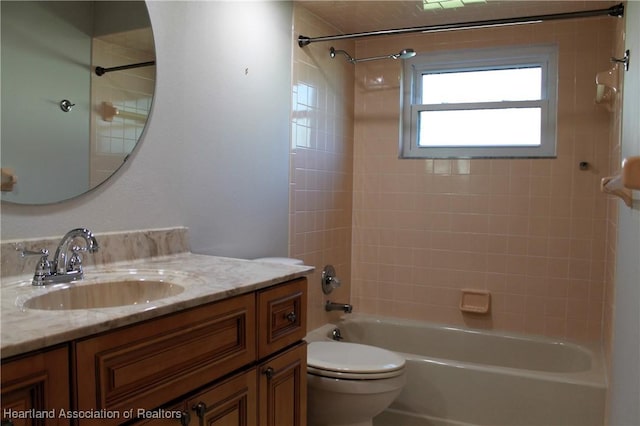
345	307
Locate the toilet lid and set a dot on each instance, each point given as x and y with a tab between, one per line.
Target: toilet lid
352	360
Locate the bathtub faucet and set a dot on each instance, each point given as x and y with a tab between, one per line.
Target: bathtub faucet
345	307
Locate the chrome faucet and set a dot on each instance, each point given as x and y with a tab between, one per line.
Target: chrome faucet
66	265
345	307
336	335
62	263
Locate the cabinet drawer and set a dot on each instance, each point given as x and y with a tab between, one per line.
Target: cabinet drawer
282	316
147	365
232	402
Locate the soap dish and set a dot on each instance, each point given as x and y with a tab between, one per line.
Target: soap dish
475	301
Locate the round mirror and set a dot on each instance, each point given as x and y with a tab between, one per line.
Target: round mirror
78	79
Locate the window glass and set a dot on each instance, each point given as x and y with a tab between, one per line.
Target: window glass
521	84
508	127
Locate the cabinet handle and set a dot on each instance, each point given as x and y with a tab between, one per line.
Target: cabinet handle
291	317
185	418
268	372
200	408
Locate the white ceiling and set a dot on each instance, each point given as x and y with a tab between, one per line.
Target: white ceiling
353	16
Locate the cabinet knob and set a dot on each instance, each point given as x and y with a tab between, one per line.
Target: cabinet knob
268	372
291	317
200	408
185	418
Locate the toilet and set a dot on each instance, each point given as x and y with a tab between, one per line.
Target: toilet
348	383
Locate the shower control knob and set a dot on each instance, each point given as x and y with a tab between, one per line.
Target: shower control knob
329	279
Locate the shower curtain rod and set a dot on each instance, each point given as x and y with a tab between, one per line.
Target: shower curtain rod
615	11
101	71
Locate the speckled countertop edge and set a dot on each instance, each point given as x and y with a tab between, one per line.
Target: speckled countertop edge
204	278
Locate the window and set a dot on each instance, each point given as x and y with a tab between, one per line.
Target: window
481	103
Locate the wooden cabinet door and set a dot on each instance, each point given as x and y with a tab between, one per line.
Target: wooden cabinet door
229	403
36	386
282	388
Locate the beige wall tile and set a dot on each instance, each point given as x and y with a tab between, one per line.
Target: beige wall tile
534	232
321	184
407	235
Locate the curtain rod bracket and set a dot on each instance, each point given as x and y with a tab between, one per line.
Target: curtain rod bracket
303	41
615	11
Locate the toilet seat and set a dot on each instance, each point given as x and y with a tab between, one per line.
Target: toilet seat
352	361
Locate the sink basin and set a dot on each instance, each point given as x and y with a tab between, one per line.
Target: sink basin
108	294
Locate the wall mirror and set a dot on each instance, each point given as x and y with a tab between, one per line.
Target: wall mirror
66	129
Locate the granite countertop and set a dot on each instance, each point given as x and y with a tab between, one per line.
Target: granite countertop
204	278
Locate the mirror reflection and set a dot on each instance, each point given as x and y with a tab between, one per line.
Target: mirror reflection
66	129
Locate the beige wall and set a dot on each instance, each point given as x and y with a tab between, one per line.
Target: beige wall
532	232
199	164
321	162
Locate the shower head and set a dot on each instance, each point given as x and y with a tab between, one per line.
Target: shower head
403	54
333	52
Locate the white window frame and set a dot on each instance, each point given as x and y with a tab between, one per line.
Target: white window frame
544	56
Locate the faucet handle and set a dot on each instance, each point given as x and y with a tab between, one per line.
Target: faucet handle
43	268
22	252
334	282
43	253
75	260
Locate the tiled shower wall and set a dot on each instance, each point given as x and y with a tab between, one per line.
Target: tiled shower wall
531	231
321	162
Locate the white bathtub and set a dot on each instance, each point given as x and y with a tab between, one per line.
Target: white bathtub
457	376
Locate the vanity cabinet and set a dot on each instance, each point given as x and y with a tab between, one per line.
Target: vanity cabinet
38	384
240	361
148	364
271	394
